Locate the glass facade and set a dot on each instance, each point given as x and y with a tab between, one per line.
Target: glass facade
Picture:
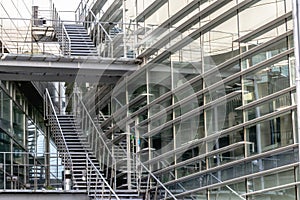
23	152
211	111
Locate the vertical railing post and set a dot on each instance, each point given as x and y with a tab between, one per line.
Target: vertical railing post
124	29
2	44
62	38
296	18
4	170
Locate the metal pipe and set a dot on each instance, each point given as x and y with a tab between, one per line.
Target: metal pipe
296	8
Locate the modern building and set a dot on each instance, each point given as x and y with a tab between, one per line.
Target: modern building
151	99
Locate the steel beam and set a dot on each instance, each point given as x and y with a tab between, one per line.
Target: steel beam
40	68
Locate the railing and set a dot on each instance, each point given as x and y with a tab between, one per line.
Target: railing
56	132
99	35
14	24
103	154
80	12
63	37
113	39
22	41
101	148
91	168
20	31
31	171
142	169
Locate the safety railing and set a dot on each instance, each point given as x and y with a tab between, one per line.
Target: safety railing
62	34
56	130
113	39
153	186
31	171
23	33
81	10
107	162
100	185
99	35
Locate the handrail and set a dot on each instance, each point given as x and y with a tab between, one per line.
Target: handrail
109	152
48	97
93	123
99	24
68	50
227	186
13	23
152	175
65	38
103	179
96	33
157	180
90	120
78	10
36	163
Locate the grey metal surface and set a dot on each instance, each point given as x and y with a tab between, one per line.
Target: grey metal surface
45	195
53	68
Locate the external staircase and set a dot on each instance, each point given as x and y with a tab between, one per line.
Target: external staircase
75	41
87	175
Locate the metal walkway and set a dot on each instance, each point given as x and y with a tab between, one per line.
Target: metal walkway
64	68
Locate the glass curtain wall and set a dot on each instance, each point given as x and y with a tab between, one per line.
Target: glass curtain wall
211	111
23	142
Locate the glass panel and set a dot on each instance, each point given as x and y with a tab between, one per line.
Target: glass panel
271	134
266	81
159	80
189	129
266	53
229	192
18	123
271	180
268	107
286	194
5	111
224	115
119	96
227	156
163	143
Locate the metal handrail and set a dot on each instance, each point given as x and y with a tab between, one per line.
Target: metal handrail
80	102
94	125
103	179
105	145
47	99
95	31
100	25
68	50
36	163
65	38
153	176
113	160
13	23
157	180
80	10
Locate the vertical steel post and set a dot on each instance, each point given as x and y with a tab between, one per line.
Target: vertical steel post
296	8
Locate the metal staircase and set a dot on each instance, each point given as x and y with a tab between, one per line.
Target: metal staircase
81	43
73	39
76	152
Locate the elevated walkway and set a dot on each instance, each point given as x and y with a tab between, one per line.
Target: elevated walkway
23	67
